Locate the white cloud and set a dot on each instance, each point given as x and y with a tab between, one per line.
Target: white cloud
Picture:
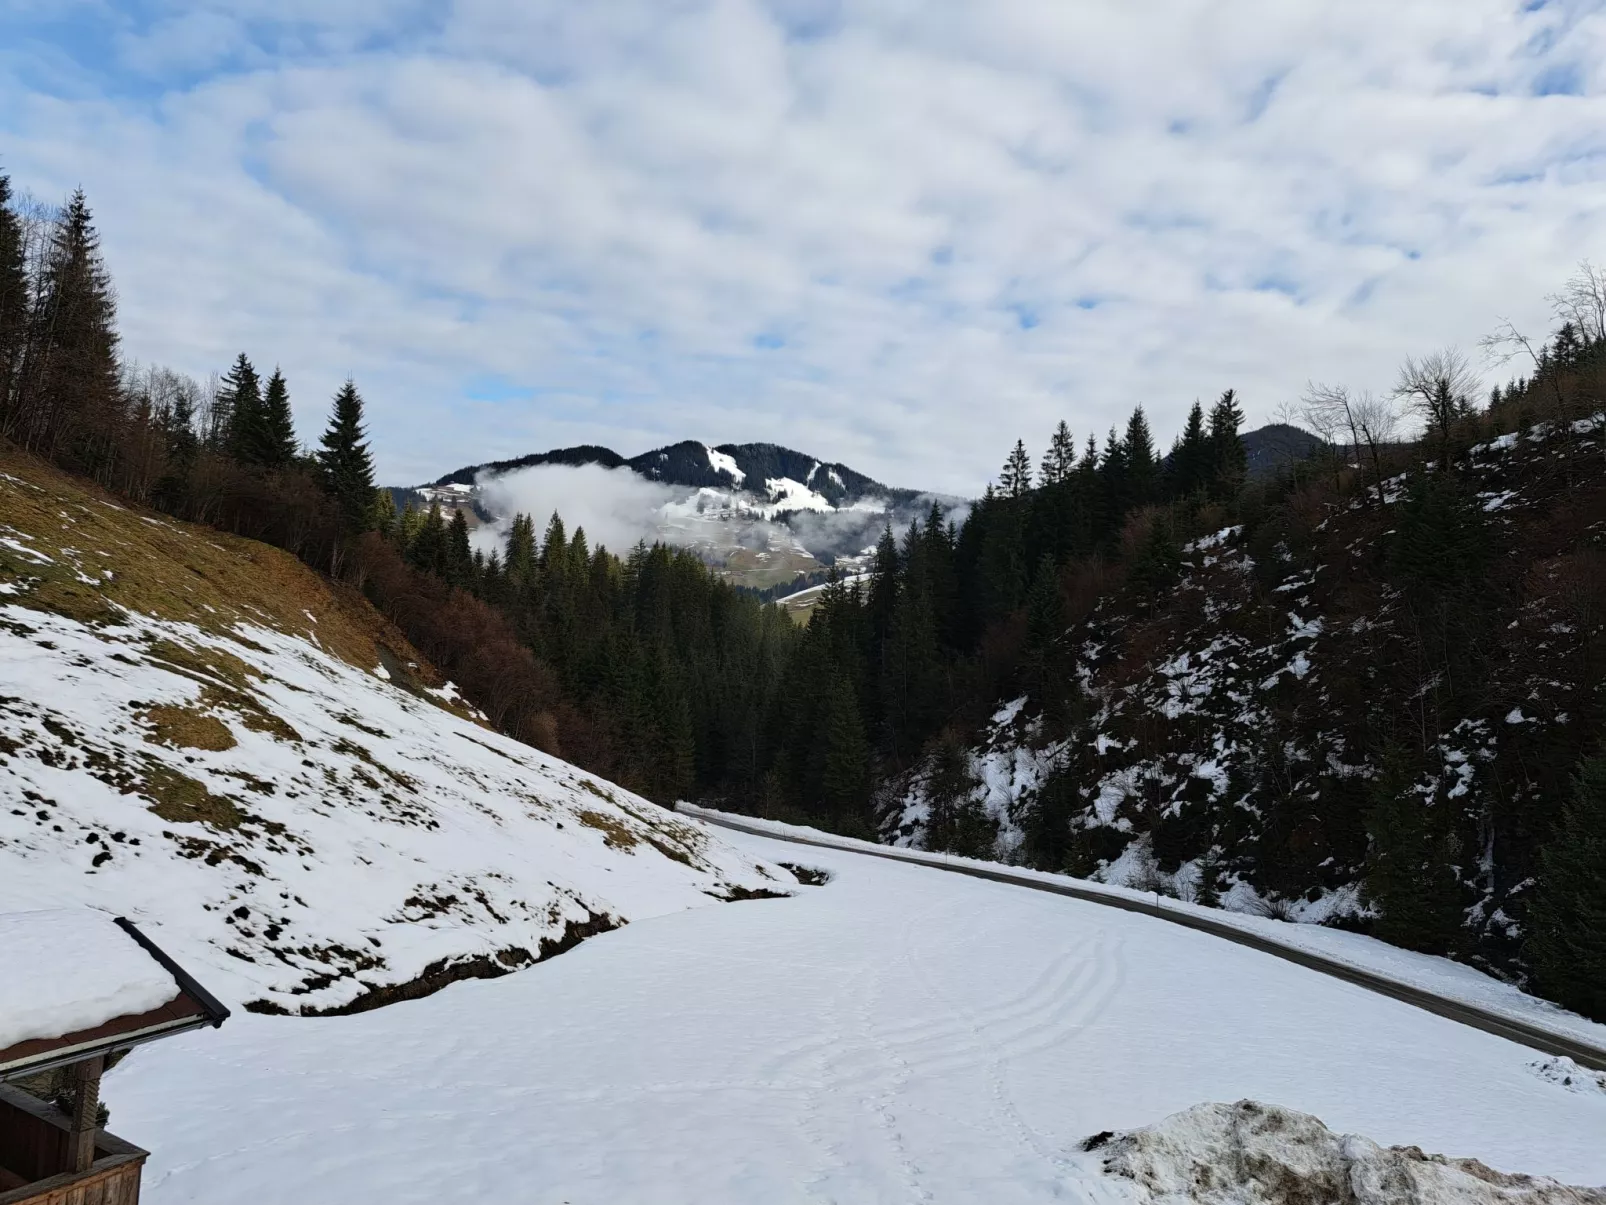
894	235
614	506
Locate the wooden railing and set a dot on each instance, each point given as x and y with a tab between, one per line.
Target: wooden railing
36	1149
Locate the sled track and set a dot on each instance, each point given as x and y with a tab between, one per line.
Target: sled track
1515	1030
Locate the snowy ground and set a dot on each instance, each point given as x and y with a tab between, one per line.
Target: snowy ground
897	1035
1443	977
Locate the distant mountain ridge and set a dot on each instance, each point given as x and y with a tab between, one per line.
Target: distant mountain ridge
748	466
699	466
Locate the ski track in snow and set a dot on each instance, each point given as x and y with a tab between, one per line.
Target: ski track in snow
895	1036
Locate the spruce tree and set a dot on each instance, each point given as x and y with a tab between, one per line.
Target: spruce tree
70	399
459	555
1228	460
1191	463
427	552
13	301
1060	459
241	395
1408	874
1208	892
1566	943
844	753
347	468
1017	475
1142	467
276	436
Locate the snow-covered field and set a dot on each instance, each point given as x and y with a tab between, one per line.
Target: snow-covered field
898	1035
1441	976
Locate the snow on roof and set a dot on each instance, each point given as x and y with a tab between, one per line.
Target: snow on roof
63	970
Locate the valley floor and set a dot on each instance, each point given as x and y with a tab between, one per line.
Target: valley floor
899	1035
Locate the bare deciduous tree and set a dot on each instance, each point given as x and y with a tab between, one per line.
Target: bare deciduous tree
1582	302
1366	421
1439	389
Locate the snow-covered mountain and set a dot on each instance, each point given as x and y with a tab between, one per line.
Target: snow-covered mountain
199	733
763	514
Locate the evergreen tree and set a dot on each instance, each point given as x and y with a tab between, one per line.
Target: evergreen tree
1208	892
13	301
348	471
459	556
1046	622
70	398
274	445
844	753
1228	460
241	397
1566	943
1017	475
1060	459
1142	467
182	447
1189	471
427	551
1408	874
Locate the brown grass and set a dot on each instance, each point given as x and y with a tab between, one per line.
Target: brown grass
614	834
179	799
158	566
186	728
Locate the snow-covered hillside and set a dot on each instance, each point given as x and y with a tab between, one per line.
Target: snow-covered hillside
195	732
896	1035
1236	718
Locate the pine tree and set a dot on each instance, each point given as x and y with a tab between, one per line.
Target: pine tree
459	555
70	399
1228	460
1060	459
1566	943
1408	874
844	753
1142	467
241	395
275	446
182	447
1191	463
1046	621
13	301
348	470
427	551
1208	893
1017	475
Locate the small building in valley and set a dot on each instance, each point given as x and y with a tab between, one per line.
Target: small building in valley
78	989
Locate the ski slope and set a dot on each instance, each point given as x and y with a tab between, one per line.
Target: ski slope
894	1036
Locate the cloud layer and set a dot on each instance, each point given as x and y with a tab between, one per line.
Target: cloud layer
893	234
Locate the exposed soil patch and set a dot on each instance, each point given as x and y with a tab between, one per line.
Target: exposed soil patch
446	972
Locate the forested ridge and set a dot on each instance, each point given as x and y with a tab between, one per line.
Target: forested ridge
1059	586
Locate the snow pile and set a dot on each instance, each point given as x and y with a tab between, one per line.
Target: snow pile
306	835
68	969
1559	1069
1254	1154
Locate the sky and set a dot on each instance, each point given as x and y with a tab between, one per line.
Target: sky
890	233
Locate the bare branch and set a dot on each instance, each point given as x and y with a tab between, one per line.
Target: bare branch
1582	301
